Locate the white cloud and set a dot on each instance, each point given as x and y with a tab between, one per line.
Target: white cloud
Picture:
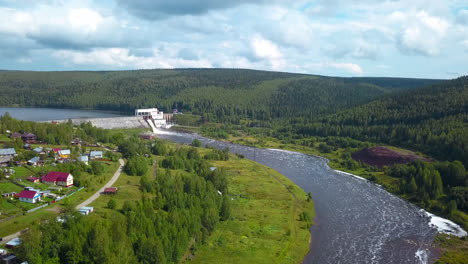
264	49
423	34
350	67
121	58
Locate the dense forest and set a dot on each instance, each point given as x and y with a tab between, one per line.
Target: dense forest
216	94
432	119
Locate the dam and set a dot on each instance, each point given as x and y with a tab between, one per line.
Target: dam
150	118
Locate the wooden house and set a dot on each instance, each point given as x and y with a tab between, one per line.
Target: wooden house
29	138
58	178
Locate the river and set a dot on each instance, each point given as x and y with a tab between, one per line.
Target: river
357	221
45	114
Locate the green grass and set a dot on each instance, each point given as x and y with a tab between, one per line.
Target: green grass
4	137
22	222
264	226
453	250
6	187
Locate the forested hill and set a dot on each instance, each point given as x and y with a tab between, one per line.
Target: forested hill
217	94
432	119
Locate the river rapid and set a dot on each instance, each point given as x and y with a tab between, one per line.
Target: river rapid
357	221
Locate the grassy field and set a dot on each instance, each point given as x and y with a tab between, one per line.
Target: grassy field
453	249
21	222
264	226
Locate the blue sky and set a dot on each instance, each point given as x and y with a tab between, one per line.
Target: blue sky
402	38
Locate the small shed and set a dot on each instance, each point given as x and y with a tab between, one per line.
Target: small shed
13	243
110	190
39	150
86	210
33	179
5	161
95	154
9	259
83	159
34	161
64	153
16	135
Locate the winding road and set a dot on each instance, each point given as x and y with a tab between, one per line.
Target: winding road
108	184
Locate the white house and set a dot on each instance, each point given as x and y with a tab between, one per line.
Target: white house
29	196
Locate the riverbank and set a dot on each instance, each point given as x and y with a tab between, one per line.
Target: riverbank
335	159
269	222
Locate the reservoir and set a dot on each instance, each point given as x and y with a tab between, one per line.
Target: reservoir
45	114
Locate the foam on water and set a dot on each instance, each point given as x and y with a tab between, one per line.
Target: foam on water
350	174
159	131
421	256
445	226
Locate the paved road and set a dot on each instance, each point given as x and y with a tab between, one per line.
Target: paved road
108	184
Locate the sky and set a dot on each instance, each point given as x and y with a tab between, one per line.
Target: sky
397	38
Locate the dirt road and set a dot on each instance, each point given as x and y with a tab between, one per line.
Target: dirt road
108	184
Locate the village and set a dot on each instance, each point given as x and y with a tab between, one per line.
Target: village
35	175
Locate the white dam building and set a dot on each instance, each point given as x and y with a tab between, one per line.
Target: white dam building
154	117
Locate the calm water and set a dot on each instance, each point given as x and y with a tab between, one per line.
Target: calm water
357	222
44	114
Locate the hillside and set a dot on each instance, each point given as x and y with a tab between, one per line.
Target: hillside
217	94
432	119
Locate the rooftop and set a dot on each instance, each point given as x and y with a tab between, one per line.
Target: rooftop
7	151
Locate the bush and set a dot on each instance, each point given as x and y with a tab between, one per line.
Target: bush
111	204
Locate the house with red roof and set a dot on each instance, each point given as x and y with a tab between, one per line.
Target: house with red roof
58	178
29	196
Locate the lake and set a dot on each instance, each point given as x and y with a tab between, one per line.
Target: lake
45	114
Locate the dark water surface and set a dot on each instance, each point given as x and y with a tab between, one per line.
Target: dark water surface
357	221
45	114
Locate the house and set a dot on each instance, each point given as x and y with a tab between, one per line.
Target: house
16	135
5	161
58	178
64	153
95	154
56	150
110	190
4	152
34	161
33	179
27	146
39	150
29	138
9	259
29	196
13	243
83	159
